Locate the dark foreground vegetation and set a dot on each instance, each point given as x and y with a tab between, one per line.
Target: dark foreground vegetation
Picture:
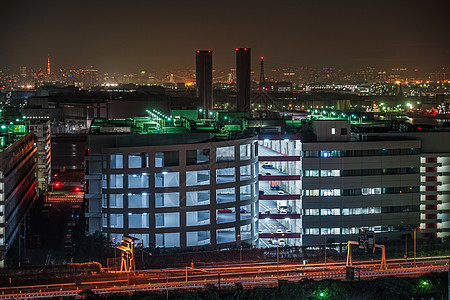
430	286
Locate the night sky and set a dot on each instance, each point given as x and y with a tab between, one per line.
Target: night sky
126	36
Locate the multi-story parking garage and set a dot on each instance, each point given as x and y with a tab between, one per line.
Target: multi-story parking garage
213	191
174	190
334	184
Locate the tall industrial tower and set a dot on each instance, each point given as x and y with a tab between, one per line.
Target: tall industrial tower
243	59
203	80
48	65
262	78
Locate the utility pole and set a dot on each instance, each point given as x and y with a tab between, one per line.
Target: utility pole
240	251
278	259
325	250
415	244
406	244
167	286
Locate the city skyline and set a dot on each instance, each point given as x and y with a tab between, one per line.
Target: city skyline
159	35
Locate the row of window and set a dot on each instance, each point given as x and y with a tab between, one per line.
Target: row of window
356	153
172	199
172	158
172	179
193	238
359	210
360	172
348	230
172	219
361	191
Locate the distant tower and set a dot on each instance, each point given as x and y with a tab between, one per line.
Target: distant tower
262	79
48	65
204	79
262	97
243	56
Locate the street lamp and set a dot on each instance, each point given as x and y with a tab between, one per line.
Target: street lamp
325	249
278	257
167	284
240	251
415	248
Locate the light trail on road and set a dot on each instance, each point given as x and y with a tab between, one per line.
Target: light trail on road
249	274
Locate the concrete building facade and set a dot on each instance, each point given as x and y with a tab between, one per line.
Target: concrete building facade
350	182
17	186
173	190
41	129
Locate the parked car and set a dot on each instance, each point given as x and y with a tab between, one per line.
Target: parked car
267	166
267	211
281	192
279	231
225	210
281	242
275	187
244	211
268	173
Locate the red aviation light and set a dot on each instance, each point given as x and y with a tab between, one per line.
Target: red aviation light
245	49
262	57
198	51
237	49
209	51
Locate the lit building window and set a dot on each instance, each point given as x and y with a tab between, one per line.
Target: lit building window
198	238
116	220
167	220
137	160
138	180
225	154
197	177
167	179
225	175
197	198
138	220
167	199
116	161
115	201
330	211
197	218
225	195
330	192
138	200
371	191
245	151
167	240
115	181
226	235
